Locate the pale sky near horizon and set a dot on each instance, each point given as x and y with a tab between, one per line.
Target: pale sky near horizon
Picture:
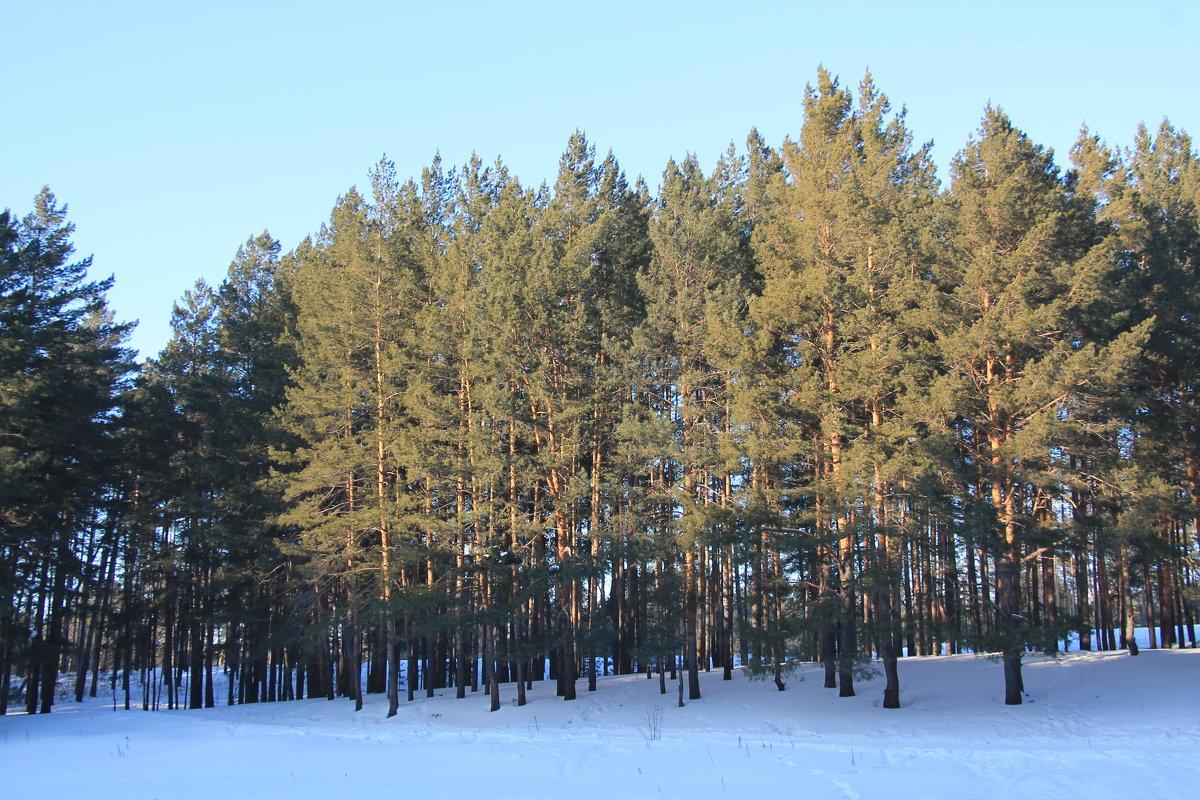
176	130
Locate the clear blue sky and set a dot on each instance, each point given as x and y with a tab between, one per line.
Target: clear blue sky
176	130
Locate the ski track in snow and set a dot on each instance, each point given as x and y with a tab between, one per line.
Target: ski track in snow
1099	724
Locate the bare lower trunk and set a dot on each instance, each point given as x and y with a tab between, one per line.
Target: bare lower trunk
829	656
1128	640
891	672
1007	573
393	670
490	664
410	672
355	663
847	646
1013	684
890	650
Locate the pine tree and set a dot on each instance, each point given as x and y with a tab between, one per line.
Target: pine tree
1160	241
354	291
845	268
193	393
456	446
63	365
1019	275
695	281
576	297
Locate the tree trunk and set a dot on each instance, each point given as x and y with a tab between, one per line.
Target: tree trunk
393	667
828	645
1008	579
689	639
1128	639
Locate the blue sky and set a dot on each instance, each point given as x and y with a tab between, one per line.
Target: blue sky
176	130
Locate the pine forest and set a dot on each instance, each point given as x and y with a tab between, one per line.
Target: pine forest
819	404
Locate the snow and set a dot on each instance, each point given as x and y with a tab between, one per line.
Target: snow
1095	724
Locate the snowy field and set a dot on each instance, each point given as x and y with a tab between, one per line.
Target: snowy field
1094	725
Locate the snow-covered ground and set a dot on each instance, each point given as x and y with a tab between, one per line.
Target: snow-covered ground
1093	724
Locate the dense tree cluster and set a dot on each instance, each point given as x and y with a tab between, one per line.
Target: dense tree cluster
811	406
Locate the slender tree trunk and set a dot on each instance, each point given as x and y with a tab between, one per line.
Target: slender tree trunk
1128	638
493	682
411	671
829	657
889	624
1008	579
566	632
196	632
690	625
354	662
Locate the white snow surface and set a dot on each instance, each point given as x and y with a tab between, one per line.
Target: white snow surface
1093	724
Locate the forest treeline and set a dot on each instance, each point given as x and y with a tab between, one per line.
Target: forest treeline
812	405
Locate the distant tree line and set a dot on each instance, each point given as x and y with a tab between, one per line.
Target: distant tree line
810	406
